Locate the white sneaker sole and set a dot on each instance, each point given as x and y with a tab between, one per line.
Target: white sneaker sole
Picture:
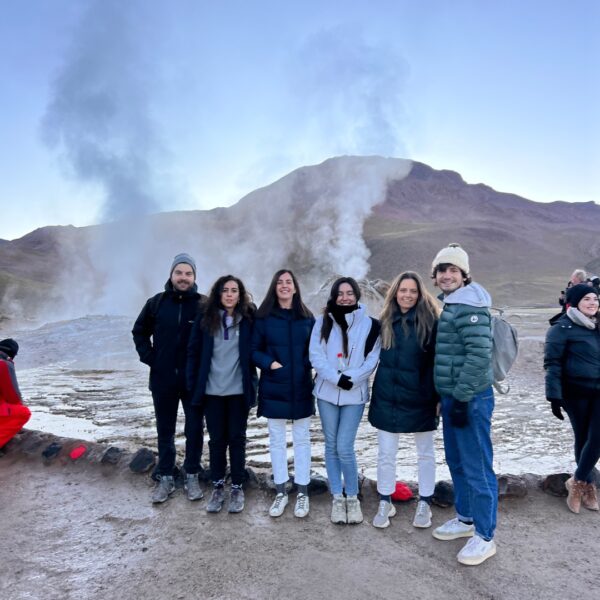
453	536
473	561
422	526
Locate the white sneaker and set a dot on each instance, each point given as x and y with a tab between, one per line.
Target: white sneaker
422	515
338	510
386	511
453	529
302	506
476	550
278	505
353	510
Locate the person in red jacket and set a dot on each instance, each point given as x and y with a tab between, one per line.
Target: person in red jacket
13	414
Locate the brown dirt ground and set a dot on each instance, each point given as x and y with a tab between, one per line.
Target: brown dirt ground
86	531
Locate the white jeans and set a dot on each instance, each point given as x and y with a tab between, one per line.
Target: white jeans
278	450
386	461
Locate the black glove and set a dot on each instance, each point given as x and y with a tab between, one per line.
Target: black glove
556	408
459	417
345	382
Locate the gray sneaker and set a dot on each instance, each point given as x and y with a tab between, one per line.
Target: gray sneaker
385	512
236	500
192	487
355	515
338	510
164	488
215	504
422	515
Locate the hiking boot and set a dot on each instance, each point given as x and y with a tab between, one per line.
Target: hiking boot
353	510
164	488
236	499
192	487
278	505
338	510
422	515
476	550
386	511
454	529
590	497
302	506
576	490
215	504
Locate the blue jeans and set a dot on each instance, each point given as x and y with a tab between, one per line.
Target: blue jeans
340	424
469	456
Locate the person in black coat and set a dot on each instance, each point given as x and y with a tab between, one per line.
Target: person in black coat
404	399
161	334
572	365
280	349
222	382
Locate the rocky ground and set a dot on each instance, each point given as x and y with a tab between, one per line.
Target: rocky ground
85	530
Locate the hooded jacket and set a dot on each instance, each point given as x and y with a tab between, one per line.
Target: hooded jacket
463	350
161	333
324	359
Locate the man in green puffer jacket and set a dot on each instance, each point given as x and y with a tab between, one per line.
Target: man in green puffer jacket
463	378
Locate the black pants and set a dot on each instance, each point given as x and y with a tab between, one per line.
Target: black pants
584	414
165	409
226	421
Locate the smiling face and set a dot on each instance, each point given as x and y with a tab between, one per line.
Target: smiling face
588	305
182	277
285	290
345	295
449	278
407	295
230	295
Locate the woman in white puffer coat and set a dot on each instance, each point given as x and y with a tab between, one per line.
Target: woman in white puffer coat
344	351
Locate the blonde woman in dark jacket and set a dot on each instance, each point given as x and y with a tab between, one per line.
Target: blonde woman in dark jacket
404	399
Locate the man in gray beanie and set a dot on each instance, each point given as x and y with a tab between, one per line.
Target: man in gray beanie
161	334
463	378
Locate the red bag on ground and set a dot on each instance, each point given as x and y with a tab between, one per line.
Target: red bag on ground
402	493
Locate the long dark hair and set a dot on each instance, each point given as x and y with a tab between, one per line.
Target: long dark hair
426	311
211	320
270	302
331	301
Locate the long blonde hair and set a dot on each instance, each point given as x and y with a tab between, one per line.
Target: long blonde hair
427	311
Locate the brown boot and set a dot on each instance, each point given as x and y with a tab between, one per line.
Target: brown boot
575	489
590	497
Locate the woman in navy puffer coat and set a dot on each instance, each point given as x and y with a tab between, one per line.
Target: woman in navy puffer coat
280	349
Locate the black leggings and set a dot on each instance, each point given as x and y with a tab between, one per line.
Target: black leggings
584	414
226	421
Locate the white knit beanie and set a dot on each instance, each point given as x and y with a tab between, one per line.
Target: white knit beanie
453	254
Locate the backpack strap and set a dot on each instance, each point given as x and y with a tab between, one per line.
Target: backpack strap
373	335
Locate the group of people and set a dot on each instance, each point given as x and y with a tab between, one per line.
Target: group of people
428	362
204	353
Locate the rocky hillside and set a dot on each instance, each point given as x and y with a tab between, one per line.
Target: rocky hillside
366	216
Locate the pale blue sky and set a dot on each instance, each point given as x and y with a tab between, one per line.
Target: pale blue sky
112	108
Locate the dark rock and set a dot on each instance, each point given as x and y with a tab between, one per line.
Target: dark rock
112	456
511	486
252	480
555	484
318	485
142	461
532	481
52	451
443	495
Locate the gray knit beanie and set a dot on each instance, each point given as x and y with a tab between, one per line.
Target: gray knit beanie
186	259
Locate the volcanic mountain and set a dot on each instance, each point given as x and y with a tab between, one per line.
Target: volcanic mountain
370	217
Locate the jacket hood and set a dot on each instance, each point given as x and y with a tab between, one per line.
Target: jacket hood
472	294
359	313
